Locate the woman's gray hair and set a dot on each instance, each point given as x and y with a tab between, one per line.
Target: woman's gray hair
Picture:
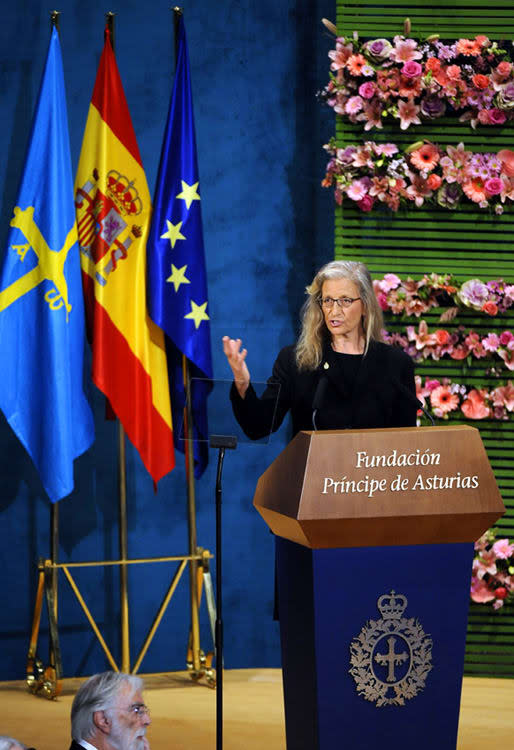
6	743
98	693
309	349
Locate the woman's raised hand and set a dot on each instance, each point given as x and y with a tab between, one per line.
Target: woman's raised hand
236	358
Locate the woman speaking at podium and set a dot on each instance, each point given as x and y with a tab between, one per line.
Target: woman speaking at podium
339	374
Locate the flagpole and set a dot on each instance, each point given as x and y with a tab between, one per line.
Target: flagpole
54	512
191	518
190	473
122	500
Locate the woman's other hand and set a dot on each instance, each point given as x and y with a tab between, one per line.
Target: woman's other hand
236	358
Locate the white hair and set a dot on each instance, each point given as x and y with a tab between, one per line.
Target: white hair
8	743
98	693
309	348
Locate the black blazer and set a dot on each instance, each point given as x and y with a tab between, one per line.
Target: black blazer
383	394
75	746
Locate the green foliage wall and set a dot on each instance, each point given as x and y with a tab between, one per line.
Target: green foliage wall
467	243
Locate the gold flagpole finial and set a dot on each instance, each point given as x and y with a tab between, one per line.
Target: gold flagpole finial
109	21
54	19
179	11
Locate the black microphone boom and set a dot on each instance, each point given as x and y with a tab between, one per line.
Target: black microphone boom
319	397
403	388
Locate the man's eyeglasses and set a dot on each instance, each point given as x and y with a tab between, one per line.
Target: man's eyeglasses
139	709
327	303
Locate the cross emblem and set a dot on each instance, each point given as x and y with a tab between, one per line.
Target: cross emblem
50	265
391	659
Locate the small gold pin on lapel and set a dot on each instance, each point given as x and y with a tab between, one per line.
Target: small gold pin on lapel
326	366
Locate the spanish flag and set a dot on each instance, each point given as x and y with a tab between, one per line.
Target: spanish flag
113	213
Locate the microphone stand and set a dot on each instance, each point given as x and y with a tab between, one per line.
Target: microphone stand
221	442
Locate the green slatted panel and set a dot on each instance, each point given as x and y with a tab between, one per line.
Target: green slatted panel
467	244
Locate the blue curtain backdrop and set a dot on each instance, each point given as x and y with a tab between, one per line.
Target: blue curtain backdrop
268	225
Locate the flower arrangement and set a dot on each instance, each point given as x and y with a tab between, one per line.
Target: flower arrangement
409	297
373	173
461	344
411	82
442	397
492	580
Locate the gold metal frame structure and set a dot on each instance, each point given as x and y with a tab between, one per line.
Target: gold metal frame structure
46	680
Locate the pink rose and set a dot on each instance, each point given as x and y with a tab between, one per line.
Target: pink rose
367	90
504	68
493	186
483	116
366	203
497	117
453	72
382	300
412	69
505	338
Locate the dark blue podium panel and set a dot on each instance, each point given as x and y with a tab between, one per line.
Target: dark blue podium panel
373	645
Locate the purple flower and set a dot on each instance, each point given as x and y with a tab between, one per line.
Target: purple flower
377	50
448	195
346	155
473	293
432	107
445	52
505	97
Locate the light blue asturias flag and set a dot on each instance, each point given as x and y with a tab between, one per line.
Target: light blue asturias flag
177	280
41	302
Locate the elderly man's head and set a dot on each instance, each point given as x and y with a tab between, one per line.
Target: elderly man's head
108	711
8	743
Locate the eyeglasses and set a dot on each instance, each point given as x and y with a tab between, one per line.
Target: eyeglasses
139	709
327	303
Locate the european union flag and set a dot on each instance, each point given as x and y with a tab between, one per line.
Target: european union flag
177	295
41	302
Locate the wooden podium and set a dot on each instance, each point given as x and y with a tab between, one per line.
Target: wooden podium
375	533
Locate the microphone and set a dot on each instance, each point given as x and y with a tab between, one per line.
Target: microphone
319	397
412	398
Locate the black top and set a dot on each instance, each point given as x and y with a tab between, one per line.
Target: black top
362	391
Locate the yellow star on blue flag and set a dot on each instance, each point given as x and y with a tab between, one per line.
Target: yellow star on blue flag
197	313
181	311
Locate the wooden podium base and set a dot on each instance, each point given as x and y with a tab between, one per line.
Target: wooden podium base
373	645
